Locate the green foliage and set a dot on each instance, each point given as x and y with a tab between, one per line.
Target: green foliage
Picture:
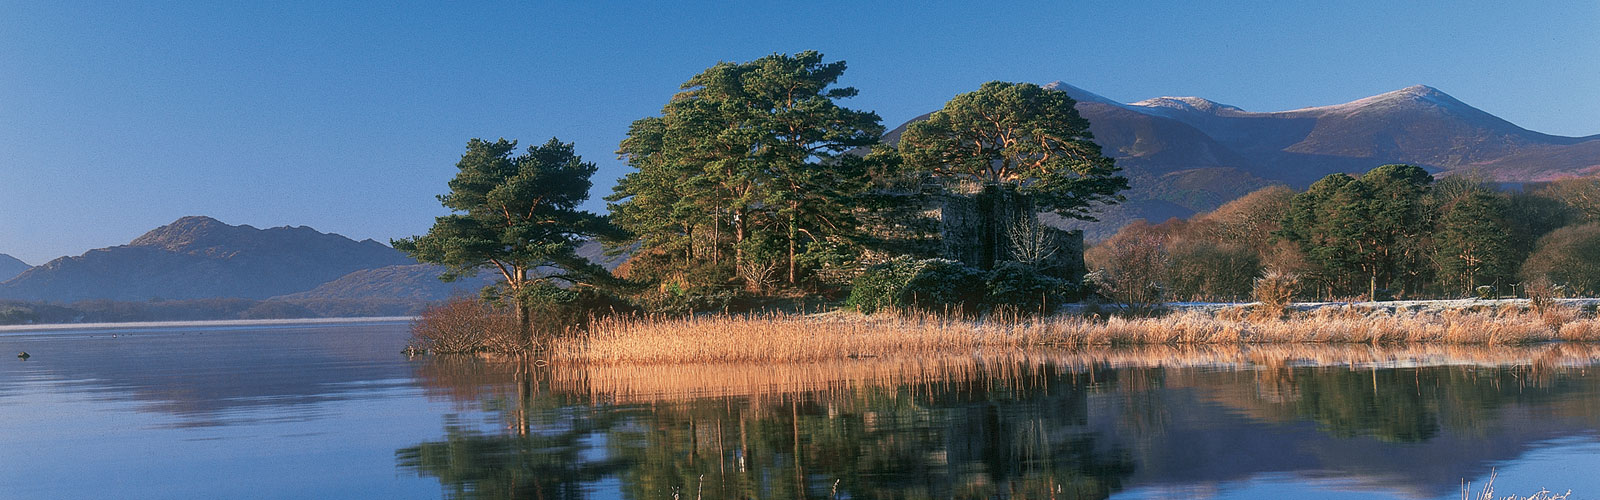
879	286
572	308
1473	245
1390	232
904	283
1202	269
1018	134
1023	288
697	286
749	154
517	215
1360	234
675	301
945	285
1533	215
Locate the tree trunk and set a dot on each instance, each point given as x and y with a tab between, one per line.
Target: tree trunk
793	233
524	323
738	238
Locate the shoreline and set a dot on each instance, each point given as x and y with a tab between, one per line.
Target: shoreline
60	327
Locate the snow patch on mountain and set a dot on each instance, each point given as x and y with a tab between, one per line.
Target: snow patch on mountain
1188	104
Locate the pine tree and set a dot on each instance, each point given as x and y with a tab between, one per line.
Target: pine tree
514	214
755	151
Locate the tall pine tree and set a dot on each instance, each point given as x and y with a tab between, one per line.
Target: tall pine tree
749	156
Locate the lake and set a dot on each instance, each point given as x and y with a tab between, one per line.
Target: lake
335	410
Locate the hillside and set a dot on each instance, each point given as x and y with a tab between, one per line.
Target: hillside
11	266
200	257
420	282
1184	155
413	282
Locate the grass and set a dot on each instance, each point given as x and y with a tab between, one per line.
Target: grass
648	383
787	337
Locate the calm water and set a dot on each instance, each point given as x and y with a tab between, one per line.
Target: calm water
335	411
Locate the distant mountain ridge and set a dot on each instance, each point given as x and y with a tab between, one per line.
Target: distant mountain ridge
413	282
201	257
1184	155
11	266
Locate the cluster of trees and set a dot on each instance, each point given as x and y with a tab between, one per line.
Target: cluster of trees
752	179
756	176
1394	232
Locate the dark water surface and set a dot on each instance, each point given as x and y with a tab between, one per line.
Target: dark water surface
335	411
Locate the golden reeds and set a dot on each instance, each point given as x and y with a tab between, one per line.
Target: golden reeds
638	383
781	337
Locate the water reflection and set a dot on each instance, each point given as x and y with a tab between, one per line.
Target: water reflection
1083	424
216	375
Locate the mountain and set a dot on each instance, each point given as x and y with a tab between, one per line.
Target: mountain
1184	155
420	282
11	266
413	283
201	257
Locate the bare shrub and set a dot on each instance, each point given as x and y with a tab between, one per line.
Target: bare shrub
1130	267
1273	293
1541	294
758	274
466	325
1542	299
1032	242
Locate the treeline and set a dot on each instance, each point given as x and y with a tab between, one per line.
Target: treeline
1395	232
109	311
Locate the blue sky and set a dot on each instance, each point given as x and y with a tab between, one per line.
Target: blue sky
118	117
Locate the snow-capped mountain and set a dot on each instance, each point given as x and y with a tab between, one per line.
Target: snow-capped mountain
1188	154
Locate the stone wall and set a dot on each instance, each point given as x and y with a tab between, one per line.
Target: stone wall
965	222
975	228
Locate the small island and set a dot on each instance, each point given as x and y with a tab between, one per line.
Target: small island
766	222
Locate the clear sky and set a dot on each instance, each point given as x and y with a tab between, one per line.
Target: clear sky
118	117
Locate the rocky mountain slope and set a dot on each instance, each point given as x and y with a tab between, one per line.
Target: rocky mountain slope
1187	154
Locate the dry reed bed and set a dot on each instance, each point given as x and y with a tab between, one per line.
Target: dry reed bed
640	383
637	383
804	338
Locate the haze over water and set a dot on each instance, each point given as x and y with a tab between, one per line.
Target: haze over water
336	411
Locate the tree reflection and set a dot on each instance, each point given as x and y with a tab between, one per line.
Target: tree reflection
1403	405
982	437
998	430
472	464
544	449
